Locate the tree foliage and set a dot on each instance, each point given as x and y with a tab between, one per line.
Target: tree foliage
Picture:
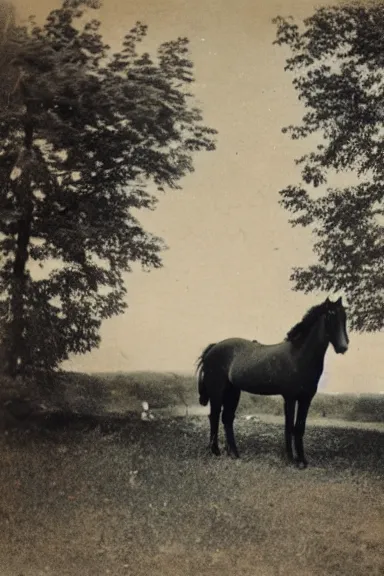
87	137
336	58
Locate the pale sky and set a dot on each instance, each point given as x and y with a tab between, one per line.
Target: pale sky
231	249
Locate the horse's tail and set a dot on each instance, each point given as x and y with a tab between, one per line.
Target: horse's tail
202	388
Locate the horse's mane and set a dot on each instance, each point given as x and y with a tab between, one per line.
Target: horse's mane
302	328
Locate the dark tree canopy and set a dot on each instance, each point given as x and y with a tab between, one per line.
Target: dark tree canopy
337	62
87	137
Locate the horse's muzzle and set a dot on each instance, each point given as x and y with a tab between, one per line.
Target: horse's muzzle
341	349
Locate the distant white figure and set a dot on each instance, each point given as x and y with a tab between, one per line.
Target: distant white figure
146	413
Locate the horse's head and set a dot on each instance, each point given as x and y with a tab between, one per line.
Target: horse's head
336	325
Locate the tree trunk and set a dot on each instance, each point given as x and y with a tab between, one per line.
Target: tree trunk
18	350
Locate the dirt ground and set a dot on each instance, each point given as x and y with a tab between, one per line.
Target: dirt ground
129	497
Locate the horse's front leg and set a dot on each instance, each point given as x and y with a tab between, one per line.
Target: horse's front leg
289	411
302	413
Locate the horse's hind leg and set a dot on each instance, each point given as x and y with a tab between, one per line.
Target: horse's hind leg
230	403
289	411
214	419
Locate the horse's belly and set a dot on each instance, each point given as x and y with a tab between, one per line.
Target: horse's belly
271	388
266	379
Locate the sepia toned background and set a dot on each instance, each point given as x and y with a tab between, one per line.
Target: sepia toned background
231	249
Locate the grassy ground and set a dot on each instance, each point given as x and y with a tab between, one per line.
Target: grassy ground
102	492
98	496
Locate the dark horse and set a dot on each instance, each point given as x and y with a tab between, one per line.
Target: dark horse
291	369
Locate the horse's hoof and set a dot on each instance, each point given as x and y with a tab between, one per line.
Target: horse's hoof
232	454
301	464
215	450
231	451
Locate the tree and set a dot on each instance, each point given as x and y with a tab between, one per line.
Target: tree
337	61
87	138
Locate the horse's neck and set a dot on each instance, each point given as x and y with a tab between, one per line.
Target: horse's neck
316	343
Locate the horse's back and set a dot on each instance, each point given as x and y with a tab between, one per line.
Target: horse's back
220	356
235	345
237	342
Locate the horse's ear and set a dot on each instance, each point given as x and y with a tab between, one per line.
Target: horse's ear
339	301
327	301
